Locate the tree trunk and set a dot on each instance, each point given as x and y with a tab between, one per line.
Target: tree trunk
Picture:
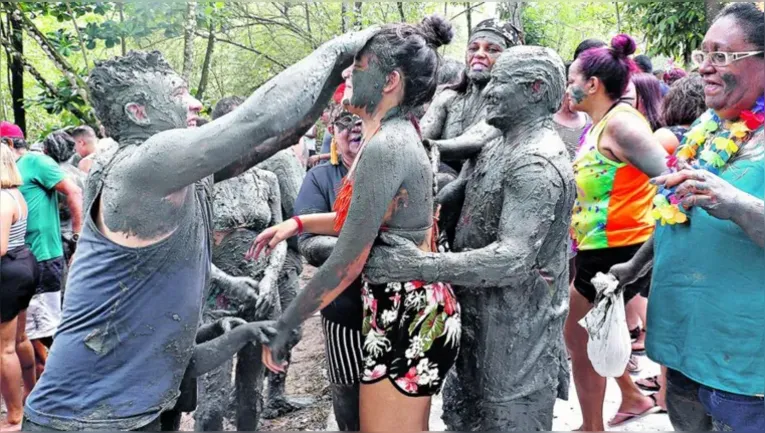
469	17
123	45
712	8
17	72
189	27
79	36
308	25
206	66
357	15
618	19
512	11
343	17
401	13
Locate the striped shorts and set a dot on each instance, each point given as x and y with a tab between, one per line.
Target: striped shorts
343	350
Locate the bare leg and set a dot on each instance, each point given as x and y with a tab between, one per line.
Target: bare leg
661	397
383	408
590	386
249	388
26	354
636	316
345	402
10	376
214	399
633	401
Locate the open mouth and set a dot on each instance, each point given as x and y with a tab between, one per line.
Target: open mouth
354	138
479	66
711	88
191	122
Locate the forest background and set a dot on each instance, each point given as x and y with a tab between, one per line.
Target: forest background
231	48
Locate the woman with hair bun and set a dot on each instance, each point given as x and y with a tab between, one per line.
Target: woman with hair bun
411	331
612	214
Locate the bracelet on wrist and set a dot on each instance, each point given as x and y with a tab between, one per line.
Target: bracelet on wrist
299	224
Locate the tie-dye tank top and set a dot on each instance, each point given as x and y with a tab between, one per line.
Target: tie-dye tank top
614	199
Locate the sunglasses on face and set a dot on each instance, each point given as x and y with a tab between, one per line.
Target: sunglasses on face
720	58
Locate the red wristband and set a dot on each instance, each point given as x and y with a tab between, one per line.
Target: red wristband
299	224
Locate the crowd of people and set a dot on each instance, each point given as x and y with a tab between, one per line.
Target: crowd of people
457	214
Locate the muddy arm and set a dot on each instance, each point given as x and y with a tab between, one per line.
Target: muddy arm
640	264
432	123
284	107
317	249
469	144
213	353
269	292
531	195
451	199
378	178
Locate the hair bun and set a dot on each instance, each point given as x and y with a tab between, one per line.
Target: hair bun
623	45
437	30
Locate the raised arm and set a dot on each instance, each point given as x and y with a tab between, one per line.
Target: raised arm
273	118
374	190
502	263
469	143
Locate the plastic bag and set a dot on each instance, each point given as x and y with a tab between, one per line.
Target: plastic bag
608	347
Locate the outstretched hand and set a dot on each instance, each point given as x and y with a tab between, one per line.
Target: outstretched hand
393	259
262	332
700	188
269	238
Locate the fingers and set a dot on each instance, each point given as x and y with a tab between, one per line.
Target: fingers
699	200
690	187
673	179
268	361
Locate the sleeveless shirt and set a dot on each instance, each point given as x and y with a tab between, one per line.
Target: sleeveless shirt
19	228
130	318
614	199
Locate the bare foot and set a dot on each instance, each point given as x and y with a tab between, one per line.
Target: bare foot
632	410
8	426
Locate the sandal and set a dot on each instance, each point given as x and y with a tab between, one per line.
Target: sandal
622	418
649	384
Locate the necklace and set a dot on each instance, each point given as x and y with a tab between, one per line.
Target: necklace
709	145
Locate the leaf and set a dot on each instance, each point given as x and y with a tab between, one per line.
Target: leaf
432	328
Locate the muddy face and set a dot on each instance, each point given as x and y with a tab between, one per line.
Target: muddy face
733	88
348	136
364	83
483	50
168	103
578	86
504	96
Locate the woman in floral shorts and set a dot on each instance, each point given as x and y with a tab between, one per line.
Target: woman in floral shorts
412	333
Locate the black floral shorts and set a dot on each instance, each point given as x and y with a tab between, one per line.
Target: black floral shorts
411	335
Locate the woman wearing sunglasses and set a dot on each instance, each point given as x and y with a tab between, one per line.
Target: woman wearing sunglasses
706	304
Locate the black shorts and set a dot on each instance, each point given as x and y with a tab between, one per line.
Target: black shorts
590	262
18	280
51	276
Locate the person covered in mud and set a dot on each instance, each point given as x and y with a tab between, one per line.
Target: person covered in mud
243	207
60	146
342	319
144	258
389	187
462	107
510	265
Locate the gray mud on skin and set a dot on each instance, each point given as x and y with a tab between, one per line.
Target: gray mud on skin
145	187
510	268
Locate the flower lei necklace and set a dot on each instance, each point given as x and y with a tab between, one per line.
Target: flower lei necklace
709	145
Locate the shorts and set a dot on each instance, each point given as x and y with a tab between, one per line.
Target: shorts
18	281
411	335
51	275
43	315
590	262
343	351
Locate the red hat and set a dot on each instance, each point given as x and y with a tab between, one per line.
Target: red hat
338	96
9	130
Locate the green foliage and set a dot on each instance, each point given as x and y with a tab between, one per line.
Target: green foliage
672	28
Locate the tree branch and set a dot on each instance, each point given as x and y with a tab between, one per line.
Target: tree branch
244	47
79	36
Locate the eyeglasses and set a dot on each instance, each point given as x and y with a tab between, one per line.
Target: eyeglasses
345	121
721	58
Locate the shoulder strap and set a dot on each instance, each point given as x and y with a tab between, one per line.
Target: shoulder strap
18	204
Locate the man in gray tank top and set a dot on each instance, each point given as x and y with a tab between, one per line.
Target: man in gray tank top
143	260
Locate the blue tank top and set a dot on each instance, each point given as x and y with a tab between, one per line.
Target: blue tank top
130	317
